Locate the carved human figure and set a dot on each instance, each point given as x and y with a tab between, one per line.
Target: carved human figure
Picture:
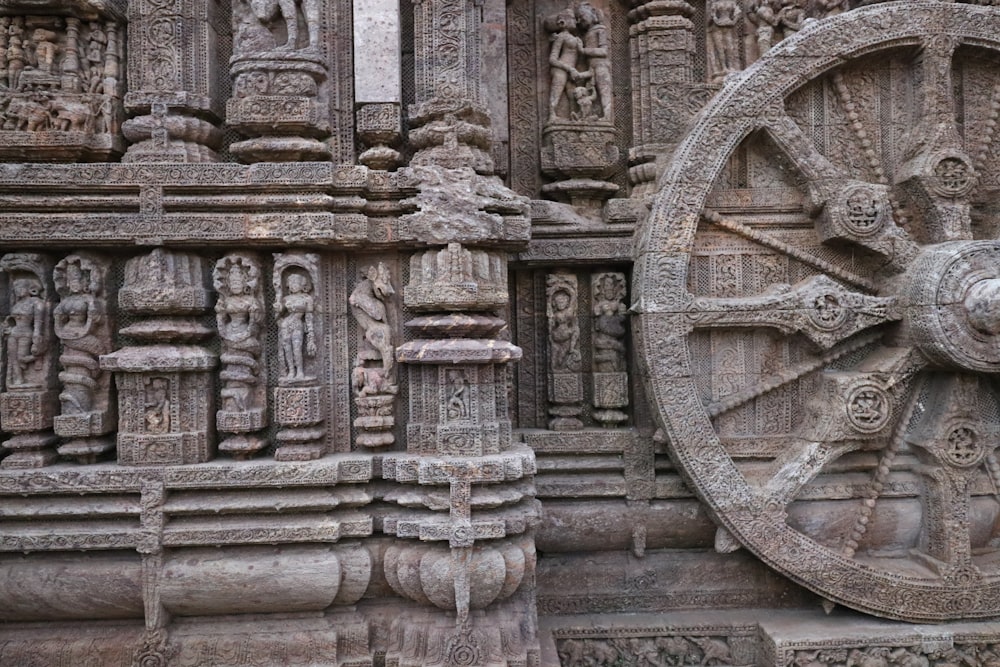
25	332
80	322
564	330
289	10
595	48
764	15
296	335
791	16
584	96
563	58
4	36
609	323
45	50
239	317
723	18
15	58
458	395
156	415
97	42
831	7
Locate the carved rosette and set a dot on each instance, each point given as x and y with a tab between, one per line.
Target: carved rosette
29	400
60	83
83	326
298	401
374	376
239	315
165	383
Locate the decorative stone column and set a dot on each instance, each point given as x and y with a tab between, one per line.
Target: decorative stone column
662	49
165	383
29	399
459	436
377	85
173	75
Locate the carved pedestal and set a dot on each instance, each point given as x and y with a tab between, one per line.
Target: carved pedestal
580	153
275	101
28	402
165	385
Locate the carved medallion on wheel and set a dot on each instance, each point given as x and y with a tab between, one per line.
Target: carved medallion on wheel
819	309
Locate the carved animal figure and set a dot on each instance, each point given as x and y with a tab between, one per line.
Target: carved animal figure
71	116
368	307
714	651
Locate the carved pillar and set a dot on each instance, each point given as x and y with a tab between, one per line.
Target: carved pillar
239	314
165	387
662	49
449	123
298	402
459	438
377	87
173	74
82	323
29	399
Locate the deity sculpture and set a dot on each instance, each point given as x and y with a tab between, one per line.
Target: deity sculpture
81	324
564	328
239	317
296	335
723	57
25	331
609	322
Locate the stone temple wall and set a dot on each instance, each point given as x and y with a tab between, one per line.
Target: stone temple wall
499	333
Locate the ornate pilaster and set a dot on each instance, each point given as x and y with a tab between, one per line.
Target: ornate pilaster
459	439
662	51
173	74
165	392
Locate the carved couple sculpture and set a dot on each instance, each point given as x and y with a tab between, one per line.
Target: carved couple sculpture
580	71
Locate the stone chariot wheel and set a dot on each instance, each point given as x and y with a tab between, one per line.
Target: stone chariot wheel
818	299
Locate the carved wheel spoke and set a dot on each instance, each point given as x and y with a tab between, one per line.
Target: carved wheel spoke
851	345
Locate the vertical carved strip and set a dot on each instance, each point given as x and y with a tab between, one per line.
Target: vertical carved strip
565	376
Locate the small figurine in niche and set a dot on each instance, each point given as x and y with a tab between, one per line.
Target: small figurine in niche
791	16
95	57
80	324
595	48
458	400
15	59
157	407
368	305
564	331
609	323
239	316
25	331
584	96
295	325
563	57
